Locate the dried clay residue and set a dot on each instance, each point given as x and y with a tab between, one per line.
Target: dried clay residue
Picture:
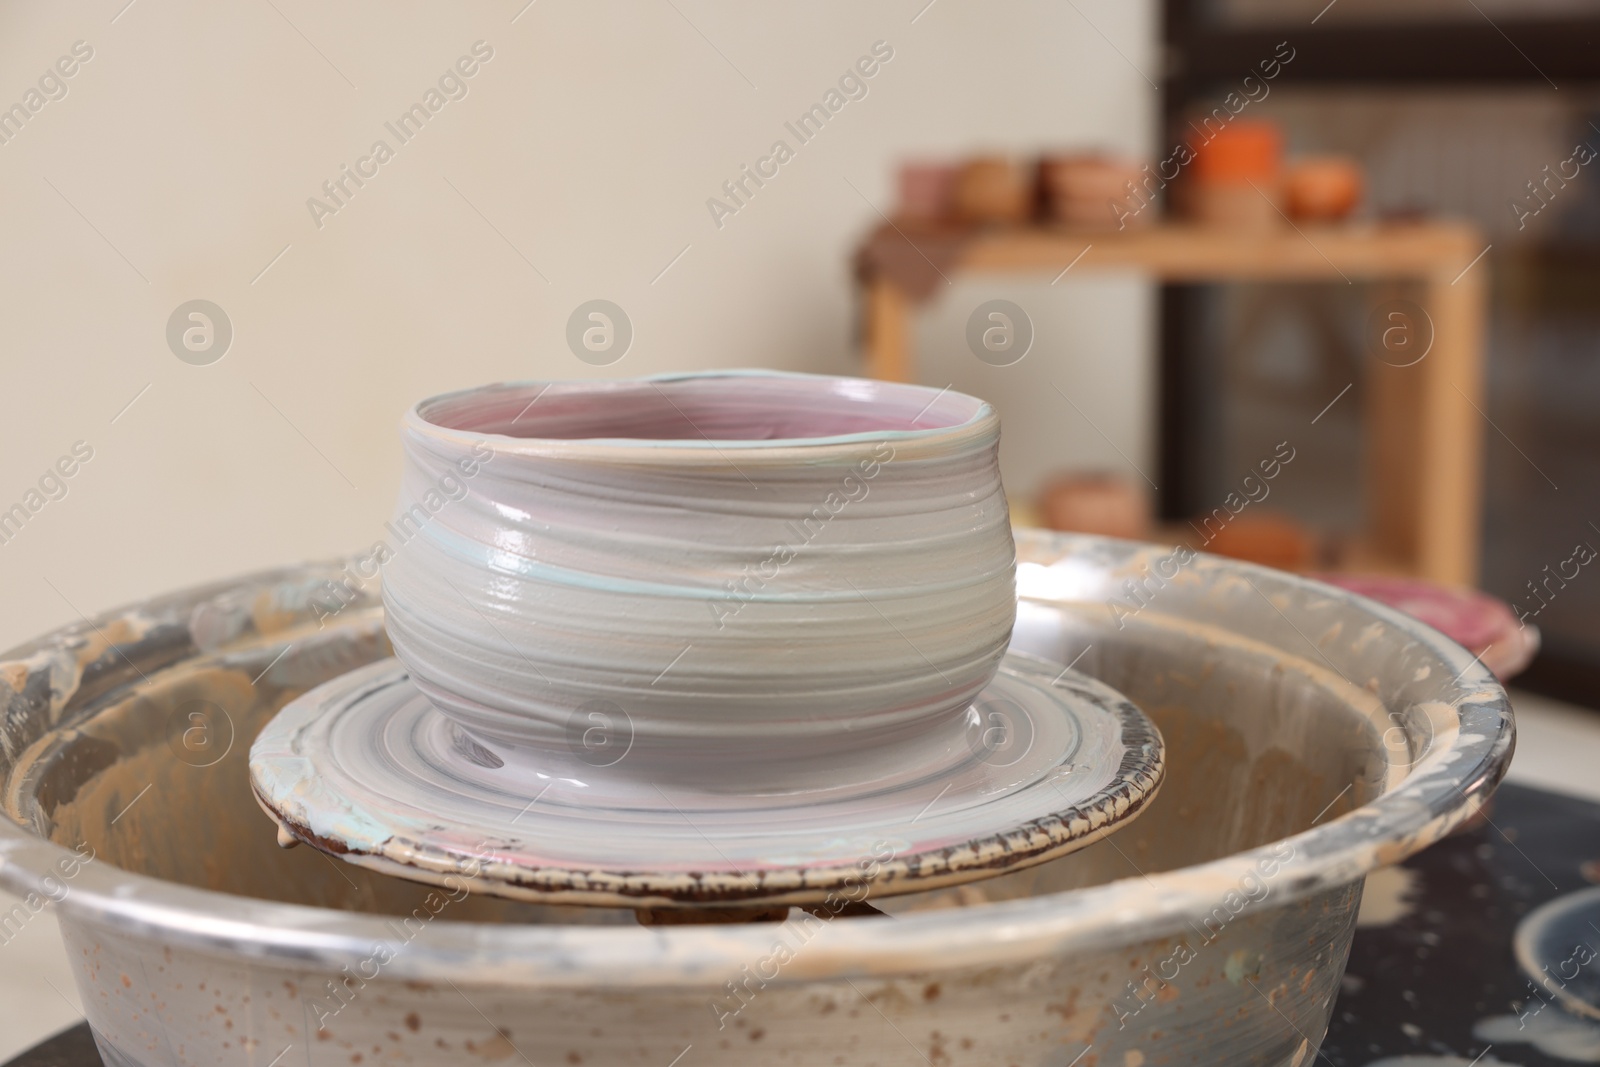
1549	1029
1389	895
1212	779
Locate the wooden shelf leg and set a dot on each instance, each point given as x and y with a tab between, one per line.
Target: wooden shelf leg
1393	464
1425	441
1453	424
888	332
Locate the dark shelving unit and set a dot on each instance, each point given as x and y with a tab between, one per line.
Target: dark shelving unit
1205	56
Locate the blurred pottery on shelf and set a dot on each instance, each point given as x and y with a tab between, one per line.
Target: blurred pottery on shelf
994	189
1241	152
1269	539
1236	178
1323	188
1094	191
927	190
1100	503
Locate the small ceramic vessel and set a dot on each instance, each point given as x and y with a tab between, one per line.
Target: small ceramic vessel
734	577
699	641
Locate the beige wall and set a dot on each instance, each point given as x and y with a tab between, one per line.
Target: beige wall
179	162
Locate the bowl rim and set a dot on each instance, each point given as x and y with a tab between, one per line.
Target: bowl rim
981	427
1443	789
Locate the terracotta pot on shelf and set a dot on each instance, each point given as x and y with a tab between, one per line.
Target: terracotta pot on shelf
1323	188
1236	178
994	189
1098	502
1094	191
927	190
1270	539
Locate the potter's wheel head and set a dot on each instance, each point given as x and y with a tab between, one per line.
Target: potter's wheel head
1045	761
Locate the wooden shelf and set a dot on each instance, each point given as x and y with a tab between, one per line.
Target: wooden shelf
1207	253
1424	422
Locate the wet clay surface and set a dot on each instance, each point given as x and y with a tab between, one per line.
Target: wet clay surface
1216	800
138	787
153	790
1215	781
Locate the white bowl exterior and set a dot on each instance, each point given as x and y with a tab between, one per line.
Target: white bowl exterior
789	599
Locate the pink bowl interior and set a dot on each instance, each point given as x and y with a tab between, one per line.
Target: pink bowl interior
699	408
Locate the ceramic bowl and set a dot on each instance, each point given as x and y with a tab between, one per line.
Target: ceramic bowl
721	572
